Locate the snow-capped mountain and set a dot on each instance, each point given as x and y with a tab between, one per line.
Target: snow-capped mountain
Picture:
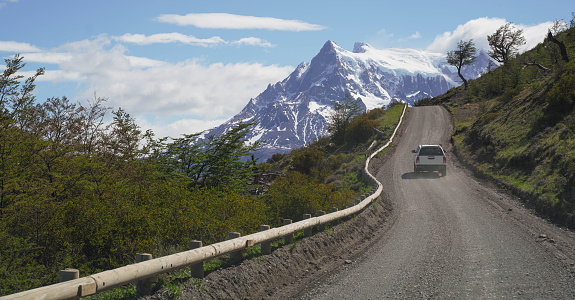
295	111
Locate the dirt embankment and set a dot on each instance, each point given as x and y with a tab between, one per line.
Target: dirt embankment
293	269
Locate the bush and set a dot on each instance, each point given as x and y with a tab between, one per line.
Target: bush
276	157
360	129
292	196
561	97
306	158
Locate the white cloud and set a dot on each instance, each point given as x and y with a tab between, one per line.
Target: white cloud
414	36
384	33
46	57
253	41
9	46
230	21
197	95
183	89
479	29
170	98
3	3
165	38
143	62
55	76
534	34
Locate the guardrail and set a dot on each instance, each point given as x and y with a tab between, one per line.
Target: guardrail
107	280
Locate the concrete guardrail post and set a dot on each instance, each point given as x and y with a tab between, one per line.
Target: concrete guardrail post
321	226
68	274
197	270
144	286
288	239
266	246
308	231
237	255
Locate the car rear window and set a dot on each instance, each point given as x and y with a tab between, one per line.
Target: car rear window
435	151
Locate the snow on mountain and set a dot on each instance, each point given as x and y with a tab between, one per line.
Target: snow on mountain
295	111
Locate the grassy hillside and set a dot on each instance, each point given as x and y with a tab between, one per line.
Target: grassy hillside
516	125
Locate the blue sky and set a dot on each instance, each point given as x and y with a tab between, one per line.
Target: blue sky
185	66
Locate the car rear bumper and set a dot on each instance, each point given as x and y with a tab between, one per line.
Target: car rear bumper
430	167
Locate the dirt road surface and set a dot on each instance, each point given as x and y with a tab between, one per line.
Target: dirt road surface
427	237
454	237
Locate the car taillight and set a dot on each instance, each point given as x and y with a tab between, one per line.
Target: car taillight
417	159
444	160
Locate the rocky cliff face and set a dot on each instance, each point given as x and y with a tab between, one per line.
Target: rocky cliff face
295	111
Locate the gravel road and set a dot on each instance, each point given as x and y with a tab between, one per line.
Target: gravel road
454	237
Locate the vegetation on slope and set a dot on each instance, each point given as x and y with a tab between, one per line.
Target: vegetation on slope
516	125
77	190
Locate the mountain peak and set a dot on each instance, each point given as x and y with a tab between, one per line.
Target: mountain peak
329	47
360	47
295	111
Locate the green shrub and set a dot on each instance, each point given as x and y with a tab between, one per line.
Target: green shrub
359	130
297	194
305	158
561	97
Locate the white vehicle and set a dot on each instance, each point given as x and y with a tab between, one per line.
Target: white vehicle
429	158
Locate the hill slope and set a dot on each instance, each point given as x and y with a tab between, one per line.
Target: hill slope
516	125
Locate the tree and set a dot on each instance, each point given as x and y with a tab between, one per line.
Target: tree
344	110
505	42
557	27
560	44
182	156
225	160
216	161
462	56
123	138
16	113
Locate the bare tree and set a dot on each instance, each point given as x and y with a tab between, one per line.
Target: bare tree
558	27
462	56
505	42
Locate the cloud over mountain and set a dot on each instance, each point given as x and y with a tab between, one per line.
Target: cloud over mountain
232	21
479	29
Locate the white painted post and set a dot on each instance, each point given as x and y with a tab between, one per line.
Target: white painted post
266	246
197	270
